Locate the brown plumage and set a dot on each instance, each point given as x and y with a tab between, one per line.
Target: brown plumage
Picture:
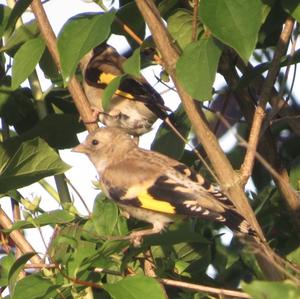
153	187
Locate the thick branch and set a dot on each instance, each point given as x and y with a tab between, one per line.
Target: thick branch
265	96
74	87
18	238
227	176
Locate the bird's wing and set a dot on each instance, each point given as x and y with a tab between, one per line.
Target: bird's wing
169	190
102	69
142	91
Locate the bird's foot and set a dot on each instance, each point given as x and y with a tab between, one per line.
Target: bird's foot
136	237
95	115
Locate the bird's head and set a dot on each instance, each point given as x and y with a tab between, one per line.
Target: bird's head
105	146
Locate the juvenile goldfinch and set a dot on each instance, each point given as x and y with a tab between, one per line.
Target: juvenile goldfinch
135	106
152	187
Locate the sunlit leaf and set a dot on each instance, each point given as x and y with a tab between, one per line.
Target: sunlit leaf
74	42
197	66
26	59
32	161
132	65
235	23
136	287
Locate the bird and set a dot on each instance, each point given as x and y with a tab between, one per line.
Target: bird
154	188
135	105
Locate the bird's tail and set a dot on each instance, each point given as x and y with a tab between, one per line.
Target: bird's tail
237	223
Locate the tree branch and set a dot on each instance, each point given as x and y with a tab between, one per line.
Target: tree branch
74	86
266	146
265	96
18	238
227	176
202	288
229	179
276	101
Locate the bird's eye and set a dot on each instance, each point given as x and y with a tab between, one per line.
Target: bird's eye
95	142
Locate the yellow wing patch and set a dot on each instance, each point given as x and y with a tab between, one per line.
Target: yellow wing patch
106	78
150	203
124	94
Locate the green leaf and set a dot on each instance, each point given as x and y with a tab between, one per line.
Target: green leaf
292	7
17	107
47	218
235	23
294	256
49	129
177	233
136	287
16	268
110	90
74	42
272	26
4	16
25	32
106	219
18	9
166	141
271	290
32	161
64	242
49	67
26	59
132	65
295	173
6	263
82	252
197	66
180	27
55	217
167	6
35	286
111	247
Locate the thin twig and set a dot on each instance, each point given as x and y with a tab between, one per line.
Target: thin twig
265	96
197	153
78	194
78	281
202	288
277	110
260	158
40	266
14	204
149	265
195	20
222	112
16	218
267	145
129	31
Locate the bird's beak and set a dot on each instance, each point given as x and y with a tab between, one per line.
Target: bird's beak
80	148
